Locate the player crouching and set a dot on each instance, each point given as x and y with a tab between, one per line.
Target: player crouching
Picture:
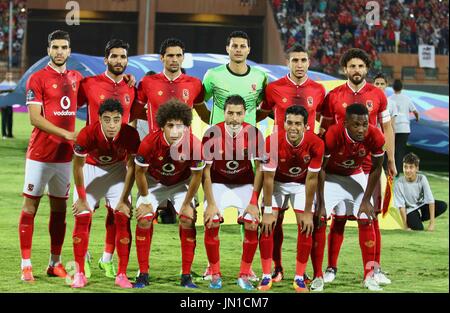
108	147
291	170
169	166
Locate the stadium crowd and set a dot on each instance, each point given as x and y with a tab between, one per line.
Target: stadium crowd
339	25
19	21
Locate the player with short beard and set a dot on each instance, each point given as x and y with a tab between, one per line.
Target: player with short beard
51	97
229	181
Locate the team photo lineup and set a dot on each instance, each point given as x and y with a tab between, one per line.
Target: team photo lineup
326	160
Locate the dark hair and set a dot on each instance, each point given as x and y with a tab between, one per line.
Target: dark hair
295	48
355	53
174	109
411	158
380	75
58	34
116	43
297	110
356	108
397	85
170	42
110	105
234	99
150	73
238	34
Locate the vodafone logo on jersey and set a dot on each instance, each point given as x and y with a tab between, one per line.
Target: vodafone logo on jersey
232	165
168	169
65	106
295	171
347	164
104	159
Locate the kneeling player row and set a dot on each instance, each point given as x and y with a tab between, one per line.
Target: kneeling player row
166	167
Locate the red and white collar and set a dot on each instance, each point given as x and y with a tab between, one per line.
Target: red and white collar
301	140
294	83
110	78
171	80
57	71
359	90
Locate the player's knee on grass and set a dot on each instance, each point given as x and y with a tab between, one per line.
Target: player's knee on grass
30	206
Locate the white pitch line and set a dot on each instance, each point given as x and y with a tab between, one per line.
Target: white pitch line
437	176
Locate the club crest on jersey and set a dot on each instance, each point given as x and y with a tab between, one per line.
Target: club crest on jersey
160	93
306	158
254	87
30	95
74	85
127	98
30	187
361	152
185	94
310	101
369	105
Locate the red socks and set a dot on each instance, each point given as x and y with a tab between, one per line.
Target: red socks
188	243
123	240
335	239
367	243
304	245
26	226
143	243
212	245
376	228
318	249
248	250
278	241
265	250
57	230
110	237
80	238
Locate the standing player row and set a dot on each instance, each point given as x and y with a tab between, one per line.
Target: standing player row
53	94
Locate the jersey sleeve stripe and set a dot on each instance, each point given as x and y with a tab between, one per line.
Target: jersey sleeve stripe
141	164
377	155
81	155
314	170
385	116
33	102
268	169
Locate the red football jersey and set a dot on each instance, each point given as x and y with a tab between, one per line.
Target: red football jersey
292	163
284	92
157	89
92	142
374	98
155	153
342	96
345	155
95	89
231	156
57	94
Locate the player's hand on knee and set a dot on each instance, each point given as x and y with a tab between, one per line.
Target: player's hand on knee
187	211
367	208
81	205
208	216
307	223
268	223
143	209
253	210
124	208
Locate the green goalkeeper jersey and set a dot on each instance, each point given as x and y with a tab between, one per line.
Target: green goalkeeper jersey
220	82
